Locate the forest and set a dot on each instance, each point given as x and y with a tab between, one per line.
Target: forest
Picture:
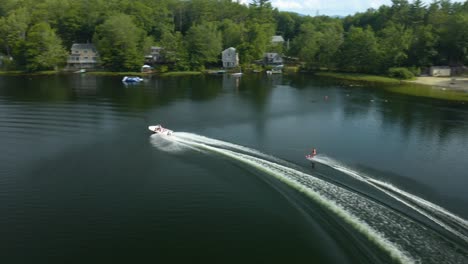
37	34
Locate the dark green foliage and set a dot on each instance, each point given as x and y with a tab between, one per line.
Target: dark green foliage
400	73
203	44
193	33
360	51
120	43
43	49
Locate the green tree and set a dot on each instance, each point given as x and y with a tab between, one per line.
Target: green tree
44	49
394	43
400	12
174	50
329	42
423	46
306	44
457	39
318	42
232	33
286	24
256	39
360	51
203	44
13	29
120	43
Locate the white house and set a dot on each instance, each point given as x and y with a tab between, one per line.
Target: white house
272	58
154	56
83	56
277	40
440	71
230	58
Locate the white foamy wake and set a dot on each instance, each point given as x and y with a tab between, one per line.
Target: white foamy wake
445	219
402	238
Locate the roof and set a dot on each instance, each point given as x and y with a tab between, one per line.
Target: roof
277	39
231	48
83	46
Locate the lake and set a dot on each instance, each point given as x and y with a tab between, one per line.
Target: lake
83	180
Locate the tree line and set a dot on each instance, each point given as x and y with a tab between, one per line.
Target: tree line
37	34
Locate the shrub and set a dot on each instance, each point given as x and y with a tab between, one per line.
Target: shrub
163	69
415	70
400	73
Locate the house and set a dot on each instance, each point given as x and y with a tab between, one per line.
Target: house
230	58
154	56
272	58
440	71
277	40
83	56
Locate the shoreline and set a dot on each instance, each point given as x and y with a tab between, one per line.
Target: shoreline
457	83
445	88
359	77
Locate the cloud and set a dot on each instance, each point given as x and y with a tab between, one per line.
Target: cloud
330	7
326	7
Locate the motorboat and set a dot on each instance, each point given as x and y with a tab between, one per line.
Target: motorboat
158	129
236	74
132	79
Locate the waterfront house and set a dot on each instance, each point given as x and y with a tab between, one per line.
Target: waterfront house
272	58
440	71
154	56
277	40
230	58
83	56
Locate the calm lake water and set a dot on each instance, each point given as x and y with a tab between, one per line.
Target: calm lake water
82	180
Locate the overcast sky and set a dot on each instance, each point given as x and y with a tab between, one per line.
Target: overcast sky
330	7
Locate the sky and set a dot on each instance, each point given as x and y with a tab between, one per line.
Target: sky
330	7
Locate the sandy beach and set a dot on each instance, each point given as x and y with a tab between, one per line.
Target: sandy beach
455	83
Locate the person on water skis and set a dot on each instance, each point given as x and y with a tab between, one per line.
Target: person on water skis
311	156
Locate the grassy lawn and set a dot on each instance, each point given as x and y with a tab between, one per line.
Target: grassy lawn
183	73
104	73
397	86
359	77
19	73
429	92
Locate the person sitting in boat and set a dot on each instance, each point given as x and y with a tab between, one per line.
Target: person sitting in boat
314	152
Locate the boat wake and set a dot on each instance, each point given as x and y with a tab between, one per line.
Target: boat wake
404	239
442	217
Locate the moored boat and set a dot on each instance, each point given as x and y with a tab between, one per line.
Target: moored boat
131	79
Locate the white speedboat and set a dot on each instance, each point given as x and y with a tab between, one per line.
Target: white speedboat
158	129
